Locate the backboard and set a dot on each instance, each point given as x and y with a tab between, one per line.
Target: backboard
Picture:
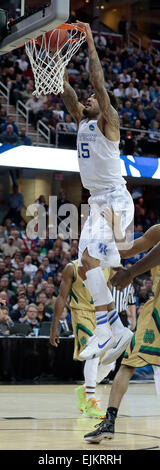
31	18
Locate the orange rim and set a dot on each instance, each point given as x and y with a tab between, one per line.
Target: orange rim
70	27
64	26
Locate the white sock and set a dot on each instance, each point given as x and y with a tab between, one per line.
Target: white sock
90	393
90	376
102	325
101	318
115	323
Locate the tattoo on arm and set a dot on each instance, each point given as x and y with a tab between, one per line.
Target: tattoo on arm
70	100
97	79
96	72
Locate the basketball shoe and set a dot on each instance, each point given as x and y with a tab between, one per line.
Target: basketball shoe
104	430
93	410
101	341
120	346
81	398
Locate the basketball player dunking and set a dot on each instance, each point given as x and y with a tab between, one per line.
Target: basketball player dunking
100	170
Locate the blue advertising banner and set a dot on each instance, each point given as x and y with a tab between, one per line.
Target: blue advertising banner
57	159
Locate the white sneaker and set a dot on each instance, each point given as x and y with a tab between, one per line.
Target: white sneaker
120	346
97	344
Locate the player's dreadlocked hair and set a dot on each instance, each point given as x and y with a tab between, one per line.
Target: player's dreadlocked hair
113	100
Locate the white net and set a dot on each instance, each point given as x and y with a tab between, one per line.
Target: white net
48	66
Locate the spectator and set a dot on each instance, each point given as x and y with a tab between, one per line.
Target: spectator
41	313
125	77
69	125
34	104
47	268
58	112
72	70
154	134
128	111
35	261
17	240
9	271
100	41
23	138
17	87
119	92
150	109
16	259
5	298
10	120
26	94
2	267
64	326
149	285
9	248
4	287
50	292
3	116
8	136
143	295
155	93
29	268
5	320
42	298
45	114
16	203
145	91
16	280
31	316
131	92
22	63
18	312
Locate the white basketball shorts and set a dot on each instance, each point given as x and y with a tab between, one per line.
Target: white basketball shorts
98	235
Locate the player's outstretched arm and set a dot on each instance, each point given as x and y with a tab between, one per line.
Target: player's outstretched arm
150	238
65	287
97	79
71	102
124	276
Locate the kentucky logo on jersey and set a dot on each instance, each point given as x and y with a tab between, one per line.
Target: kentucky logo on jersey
102	248
91	127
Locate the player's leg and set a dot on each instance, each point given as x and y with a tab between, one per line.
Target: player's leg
119	388
92	409
110	331
84	324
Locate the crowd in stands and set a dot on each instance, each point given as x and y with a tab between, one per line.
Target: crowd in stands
31	270
133	75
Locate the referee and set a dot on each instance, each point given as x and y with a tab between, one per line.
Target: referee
122	301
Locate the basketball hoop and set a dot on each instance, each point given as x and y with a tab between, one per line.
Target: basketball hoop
49	65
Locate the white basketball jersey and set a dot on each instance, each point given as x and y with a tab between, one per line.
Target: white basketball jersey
98	157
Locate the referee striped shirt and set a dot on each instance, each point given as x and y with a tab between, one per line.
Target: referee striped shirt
124	298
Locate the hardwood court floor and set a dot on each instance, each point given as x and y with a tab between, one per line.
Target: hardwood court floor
45	417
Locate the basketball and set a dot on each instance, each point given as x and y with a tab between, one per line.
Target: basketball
53	39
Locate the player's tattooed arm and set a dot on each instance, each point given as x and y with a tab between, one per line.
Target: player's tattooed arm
97	79
70	100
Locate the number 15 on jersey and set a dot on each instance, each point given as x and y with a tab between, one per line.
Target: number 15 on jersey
83	150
